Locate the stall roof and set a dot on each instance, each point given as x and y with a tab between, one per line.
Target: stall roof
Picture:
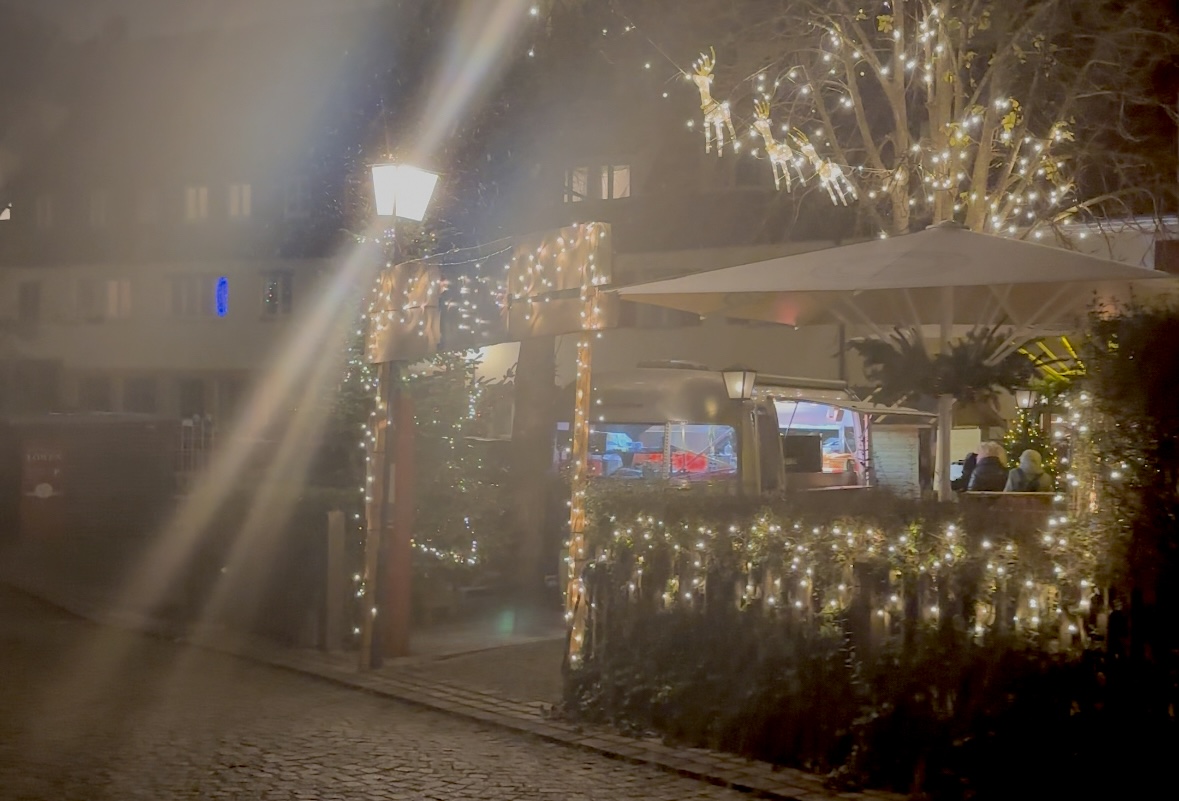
944	273
863	407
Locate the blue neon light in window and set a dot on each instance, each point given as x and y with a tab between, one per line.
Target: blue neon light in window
222	296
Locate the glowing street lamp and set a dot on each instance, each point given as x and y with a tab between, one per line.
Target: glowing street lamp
739	382
402	190
1026	398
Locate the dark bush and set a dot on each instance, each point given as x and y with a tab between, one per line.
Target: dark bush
950	717
873	669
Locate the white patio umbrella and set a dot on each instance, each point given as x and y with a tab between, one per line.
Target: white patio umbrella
943	276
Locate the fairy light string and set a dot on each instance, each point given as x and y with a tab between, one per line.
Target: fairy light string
969	150
433	308
796	564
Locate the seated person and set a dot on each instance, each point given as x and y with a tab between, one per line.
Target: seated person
990	472
1029	476
963	481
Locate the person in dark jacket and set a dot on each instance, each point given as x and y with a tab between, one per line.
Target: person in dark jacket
963	481
990	472
1029	476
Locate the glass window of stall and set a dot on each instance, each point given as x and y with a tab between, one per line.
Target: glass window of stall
819	437
652	451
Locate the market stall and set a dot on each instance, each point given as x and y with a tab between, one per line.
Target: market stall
677	423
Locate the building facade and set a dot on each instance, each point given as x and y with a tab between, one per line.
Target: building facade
165	233
162	235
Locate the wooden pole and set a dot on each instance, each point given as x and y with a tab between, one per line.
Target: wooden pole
747	451
531	460
376	513
397	574
576	612
945	403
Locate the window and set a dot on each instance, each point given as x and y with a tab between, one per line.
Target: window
94	394
30	386
99	203
1166	256
29	302
682	451
103	299
276	293
141	395
818	437
44	210
611	182
192	397
615	181
297	199
230	392
147	206
240	201
6	213
196	203
576	184
193	295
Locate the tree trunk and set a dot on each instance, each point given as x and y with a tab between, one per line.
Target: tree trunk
533	427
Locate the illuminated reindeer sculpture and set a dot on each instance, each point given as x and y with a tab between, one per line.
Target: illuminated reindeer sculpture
780	153
839	188
716	114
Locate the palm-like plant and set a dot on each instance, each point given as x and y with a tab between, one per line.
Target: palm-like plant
974	369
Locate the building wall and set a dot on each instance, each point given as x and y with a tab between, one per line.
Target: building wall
715	343
285	110
155	325
1131	241
172	162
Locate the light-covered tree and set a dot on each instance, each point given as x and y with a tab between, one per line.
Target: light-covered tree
1007	117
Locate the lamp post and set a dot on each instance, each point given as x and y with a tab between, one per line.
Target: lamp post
739	383
1033	420
401	191
1026	398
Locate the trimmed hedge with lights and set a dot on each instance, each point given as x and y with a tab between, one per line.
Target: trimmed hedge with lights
985	649
883	642
990	566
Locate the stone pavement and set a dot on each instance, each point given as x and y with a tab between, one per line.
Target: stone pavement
471	687
90	713
511	687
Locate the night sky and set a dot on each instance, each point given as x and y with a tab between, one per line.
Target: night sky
81	18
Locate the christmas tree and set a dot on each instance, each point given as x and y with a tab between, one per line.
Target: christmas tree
456	532
1027	432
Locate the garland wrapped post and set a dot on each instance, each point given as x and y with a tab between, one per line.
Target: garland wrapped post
455	495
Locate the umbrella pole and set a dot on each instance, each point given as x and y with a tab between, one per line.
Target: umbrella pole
945	419
945	403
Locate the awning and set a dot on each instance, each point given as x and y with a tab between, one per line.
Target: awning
939	275
875	410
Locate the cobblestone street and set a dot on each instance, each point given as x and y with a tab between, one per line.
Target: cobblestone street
91	713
